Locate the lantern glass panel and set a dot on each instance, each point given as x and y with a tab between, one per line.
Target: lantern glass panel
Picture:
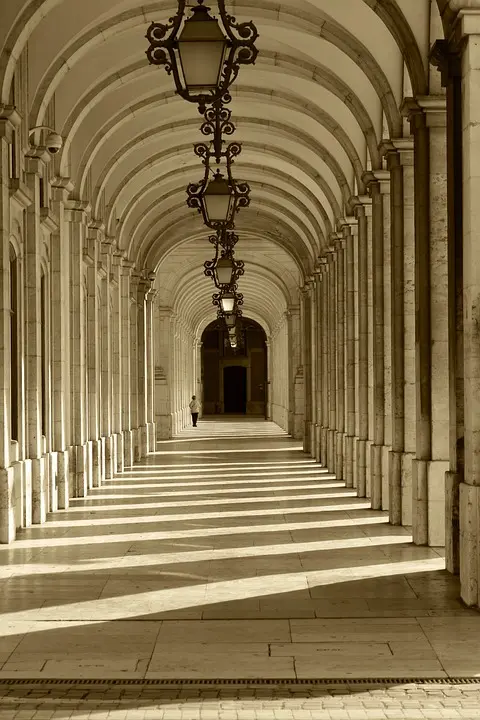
218	198
224	271
201	47
228	303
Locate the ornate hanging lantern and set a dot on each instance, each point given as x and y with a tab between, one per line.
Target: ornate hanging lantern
224	269
204	56
218	199
228	302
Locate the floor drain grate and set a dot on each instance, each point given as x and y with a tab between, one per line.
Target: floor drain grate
293	682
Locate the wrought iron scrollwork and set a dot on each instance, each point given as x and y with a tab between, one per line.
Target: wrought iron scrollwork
240	46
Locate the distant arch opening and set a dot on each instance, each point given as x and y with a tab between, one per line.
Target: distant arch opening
234	381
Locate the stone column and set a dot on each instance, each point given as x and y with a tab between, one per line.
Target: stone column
405	147
385	279
106	363
117	374
339	244
313	362
378	184
164	374
77	218
135	280
468	30
125	345
60	314
332	361
447	58
307	370
319	359
351	238
268	379
90	257
33	344
435	112
296	400
150	368
400	161
427	121
142	293
362	390
9	119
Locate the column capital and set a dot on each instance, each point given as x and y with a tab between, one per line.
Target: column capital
127	266
61	188
293	310
77	211
430	109
106	246
467	21
402	148
447	59
165	312
381	178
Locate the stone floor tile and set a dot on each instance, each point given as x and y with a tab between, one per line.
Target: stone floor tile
199	563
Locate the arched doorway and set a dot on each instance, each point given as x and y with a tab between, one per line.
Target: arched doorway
235	389
234	381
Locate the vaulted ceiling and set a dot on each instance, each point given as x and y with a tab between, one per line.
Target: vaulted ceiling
326	88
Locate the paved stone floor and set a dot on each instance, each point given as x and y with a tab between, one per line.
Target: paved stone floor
230	554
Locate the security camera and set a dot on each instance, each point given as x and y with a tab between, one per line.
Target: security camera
54	143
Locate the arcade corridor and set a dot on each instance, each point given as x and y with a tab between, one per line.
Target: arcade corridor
229	554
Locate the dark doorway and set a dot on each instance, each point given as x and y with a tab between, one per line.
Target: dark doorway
235	389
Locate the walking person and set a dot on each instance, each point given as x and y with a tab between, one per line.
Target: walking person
194	409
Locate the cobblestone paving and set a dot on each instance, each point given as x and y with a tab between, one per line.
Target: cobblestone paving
246	703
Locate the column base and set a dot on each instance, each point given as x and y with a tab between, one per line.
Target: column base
89	464
63	495
164	427
469	544
420	501
136	442
386	450
368	470
318	430
437	470
349	452
307	439
376	476
452	524
119	458
96	450
331	454
151	437
109	456
324	445
361	467
27	493
395	487
7	505
143	441
78	470
407	488
428	504
128	448
39	491
18	494
339	456
312	440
